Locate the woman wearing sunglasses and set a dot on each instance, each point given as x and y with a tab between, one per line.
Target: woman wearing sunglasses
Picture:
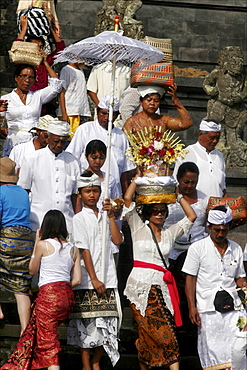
150	286
23	107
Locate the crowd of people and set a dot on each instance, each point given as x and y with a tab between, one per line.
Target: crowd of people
52	181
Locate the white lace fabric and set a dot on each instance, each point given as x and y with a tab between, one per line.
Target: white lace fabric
144	249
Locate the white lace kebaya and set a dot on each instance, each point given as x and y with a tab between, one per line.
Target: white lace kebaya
141	279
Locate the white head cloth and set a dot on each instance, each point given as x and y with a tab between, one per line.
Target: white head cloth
148	89
60	128
104	103
217	217
209	126
43	123
83	182
159	180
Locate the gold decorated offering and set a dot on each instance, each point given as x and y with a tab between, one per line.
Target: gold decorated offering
153	151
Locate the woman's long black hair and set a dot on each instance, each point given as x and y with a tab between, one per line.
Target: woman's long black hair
54	226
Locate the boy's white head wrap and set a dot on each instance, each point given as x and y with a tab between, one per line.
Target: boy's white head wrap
83	182
209	126
217	217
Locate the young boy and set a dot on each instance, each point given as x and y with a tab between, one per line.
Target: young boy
74	106
94	321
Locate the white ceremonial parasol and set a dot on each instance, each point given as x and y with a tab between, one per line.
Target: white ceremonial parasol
110	46
107	45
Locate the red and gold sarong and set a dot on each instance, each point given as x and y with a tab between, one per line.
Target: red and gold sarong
39	346
157	343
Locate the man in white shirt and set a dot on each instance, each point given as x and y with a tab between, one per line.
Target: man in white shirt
119	163
50	174
99	81
210	161
24	150
214	266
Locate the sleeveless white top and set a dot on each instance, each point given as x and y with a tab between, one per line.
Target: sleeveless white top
57	266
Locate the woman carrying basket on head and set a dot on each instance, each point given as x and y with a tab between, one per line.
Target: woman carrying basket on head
150	287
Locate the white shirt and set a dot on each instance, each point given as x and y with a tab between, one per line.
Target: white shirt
119	163
144	249
52	180
76	101
87	234
99	80
245	253
21	151
56	266
130	103
197	230
212	177
22	117
213	271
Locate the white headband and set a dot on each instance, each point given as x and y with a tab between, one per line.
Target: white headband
60	128
217	217
209	126
104	103
83	182
148	89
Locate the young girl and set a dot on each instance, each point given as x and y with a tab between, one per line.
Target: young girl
94	321
150	287
57	261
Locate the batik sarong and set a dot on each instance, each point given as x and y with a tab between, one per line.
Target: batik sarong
157	343
39	346
16	247
95	320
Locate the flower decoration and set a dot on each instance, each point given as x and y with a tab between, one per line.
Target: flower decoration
150	148
242	321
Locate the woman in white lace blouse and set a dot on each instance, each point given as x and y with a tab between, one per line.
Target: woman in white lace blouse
150	287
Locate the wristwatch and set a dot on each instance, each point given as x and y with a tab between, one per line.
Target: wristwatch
179	197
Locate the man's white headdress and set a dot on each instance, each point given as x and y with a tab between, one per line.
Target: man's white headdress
217	217
60	128
104	103
209	126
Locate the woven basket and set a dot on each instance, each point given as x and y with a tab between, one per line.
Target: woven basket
25	52
165	45
158	74
238	206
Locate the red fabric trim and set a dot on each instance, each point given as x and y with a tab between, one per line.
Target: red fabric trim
172	287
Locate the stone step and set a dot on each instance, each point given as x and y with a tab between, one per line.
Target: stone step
70	357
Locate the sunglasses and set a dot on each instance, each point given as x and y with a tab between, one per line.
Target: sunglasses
155	212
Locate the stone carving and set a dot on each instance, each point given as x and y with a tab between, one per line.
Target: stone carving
227	87
126	11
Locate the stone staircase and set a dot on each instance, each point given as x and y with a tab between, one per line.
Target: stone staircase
70	357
